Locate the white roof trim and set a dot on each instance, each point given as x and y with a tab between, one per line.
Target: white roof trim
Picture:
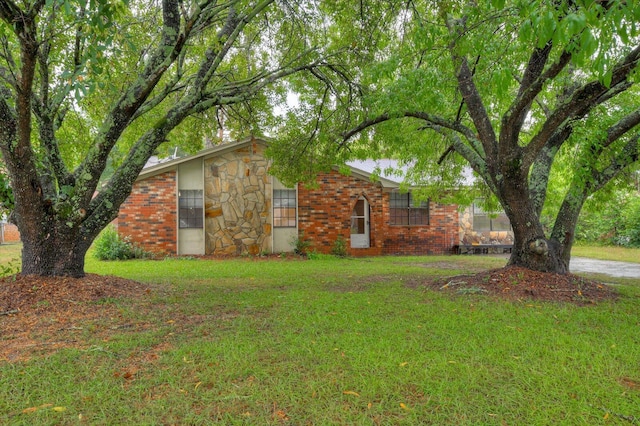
365	169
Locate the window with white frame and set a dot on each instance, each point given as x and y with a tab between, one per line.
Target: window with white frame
284	208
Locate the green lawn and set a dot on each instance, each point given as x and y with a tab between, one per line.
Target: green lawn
11	252
328	341
10	255
622	254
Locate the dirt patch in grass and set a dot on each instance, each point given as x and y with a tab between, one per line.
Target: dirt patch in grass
517	283
39	315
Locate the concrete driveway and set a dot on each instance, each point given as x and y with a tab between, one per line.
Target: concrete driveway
607	267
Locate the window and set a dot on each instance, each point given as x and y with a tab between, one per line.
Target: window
190	206
406	211
484	221
284	208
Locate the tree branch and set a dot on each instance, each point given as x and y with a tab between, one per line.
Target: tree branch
456	126
8	74
45	112
531	85
541	168
430	118
170	87
226	38
475	107
9	11
477	163
244	90
621	127
581	101
473	152
118	119
9	125
627	156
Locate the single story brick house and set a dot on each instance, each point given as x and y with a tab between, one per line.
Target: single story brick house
222	201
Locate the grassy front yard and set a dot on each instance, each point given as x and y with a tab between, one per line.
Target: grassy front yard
11	253
621	254
328	341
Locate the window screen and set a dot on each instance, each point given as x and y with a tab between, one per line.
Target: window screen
404	210
483	221
190	208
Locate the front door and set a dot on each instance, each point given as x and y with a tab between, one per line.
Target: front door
360	224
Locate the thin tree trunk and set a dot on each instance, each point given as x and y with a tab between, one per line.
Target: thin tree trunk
564	228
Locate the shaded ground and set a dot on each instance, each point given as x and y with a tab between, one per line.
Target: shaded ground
41	315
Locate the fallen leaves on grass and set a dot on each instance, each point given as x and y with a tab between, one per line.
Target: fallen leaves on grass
630	383
47	406
279	414
49	313
34	409
517	283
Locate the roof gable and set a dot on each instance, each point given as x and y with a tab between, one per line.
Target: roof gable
161	167
388	173
381	169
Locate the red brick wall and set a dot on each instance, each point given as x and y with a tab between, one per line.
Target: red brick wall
149	215
325	213
438	237
10	233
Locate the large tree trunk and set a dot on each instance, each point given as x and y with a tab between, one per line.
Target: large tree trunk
54	256
531	249
50	246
